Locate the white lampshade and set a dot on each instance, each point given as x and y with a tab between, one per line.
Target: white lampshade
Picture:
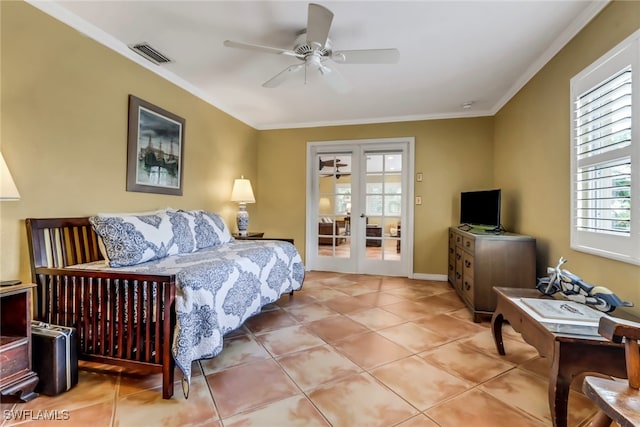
242	191
8	189
325	203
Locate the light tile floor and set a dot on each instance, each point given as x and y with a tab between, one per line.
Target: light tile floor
346	350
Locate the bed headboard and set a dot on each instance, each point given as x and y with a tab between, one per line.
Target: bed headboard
61	242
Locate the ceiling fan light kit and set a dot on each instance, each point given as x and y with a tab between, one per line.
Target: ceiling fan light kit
314	47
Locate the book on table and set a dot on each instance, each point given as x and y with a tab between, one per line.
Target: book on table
563	316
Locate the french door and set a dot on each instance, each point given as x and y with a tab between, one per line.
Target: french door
358	202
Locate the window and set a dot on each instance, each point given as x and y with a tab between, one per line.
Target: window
605	155
384	184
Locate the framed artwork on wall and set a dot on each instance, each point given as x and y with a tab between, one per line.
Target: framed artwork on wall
155	149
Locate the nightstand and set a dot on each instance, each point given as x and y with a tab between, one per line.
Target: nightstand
250	235
17	380
260	236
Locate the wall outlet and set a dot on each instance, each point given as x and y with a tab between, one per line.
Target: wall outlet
418	200
419	177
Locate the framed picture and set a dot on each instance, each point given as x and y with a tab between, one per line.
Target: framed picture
155	149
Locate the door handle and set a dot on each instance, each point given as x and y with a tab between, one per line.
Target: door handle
362	215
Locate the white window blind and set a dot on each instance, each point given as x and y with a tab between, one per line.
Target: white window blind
603	193
605	216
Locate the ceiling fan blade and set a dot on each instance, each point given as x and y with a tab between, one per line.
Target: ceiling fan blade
318	24
334	79
283	75
367	56
255	47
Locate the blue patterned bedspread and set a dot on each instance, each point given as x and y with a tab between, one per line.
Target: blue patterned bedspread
219	288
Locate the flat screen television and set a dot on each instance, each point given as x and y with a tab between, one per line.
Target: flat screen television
480	209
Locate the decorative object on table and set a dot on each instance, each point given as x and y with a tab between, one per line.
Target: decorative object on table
243	194
562	316
576	289
560	310
155	149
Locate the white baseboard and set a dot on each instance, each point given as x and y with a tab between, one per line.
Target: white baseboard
418	276
437	277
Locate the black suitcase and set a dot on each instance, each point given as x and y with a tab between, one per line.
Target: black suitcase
54	357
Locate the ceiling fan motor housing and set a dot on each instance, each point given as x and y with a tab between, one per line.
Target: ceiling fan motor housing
304	48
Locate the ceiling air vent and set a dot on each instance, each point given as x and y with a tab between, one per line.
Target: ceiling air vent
150	53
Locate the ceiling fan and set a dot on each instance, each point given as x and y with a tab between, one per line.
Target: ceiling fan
335	168
315	49
331	162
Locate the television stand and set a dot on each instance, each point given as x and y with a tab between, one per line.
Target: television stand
480	260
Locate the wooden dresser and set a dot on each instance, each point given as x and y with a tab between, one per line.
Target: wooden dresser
480	260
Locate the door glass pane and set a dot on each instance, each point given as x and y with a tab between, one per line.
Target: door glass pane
383	205
334	205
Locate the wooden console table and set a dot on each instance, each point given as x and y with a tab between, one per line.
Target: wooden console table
376	232
570	355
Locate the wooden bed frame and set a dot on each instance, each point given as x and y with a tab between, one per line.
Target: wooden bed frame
124	319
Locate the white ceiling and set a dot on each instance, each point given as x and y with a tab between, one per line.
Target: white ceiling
451	53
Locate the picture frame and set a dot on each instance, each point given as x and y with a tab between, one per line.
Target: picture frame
155	149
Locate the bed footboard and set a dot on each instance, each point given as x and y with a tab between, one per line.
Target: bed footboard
123	319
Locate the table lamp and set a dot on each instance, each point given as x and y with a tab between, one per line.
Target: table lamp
243	194
8	192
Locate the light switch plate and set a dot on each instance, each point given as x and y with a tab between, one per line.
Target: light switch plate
419	177
418	200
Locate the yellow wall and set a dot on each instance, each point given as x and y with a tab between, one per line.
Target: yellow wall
532	161
64	132
453	155
64	126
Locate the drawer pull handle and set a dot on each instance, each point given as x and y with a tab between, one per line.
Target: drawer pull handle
467	286
467	263
468	243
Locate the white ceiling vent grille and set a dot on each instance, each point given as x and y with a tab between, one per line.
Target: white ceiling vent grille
150	53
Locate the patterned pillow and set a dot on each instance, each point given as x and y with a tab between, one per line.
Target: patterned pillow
136	238
220	227
130	239
103	249
206	229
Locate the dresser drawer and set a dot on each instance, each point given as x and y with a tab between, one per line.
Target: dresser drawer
458	239
14	357
458	269
468	244
468	262
468	289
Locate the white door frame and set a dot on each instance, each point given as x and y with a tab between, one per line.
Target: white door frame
355	147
